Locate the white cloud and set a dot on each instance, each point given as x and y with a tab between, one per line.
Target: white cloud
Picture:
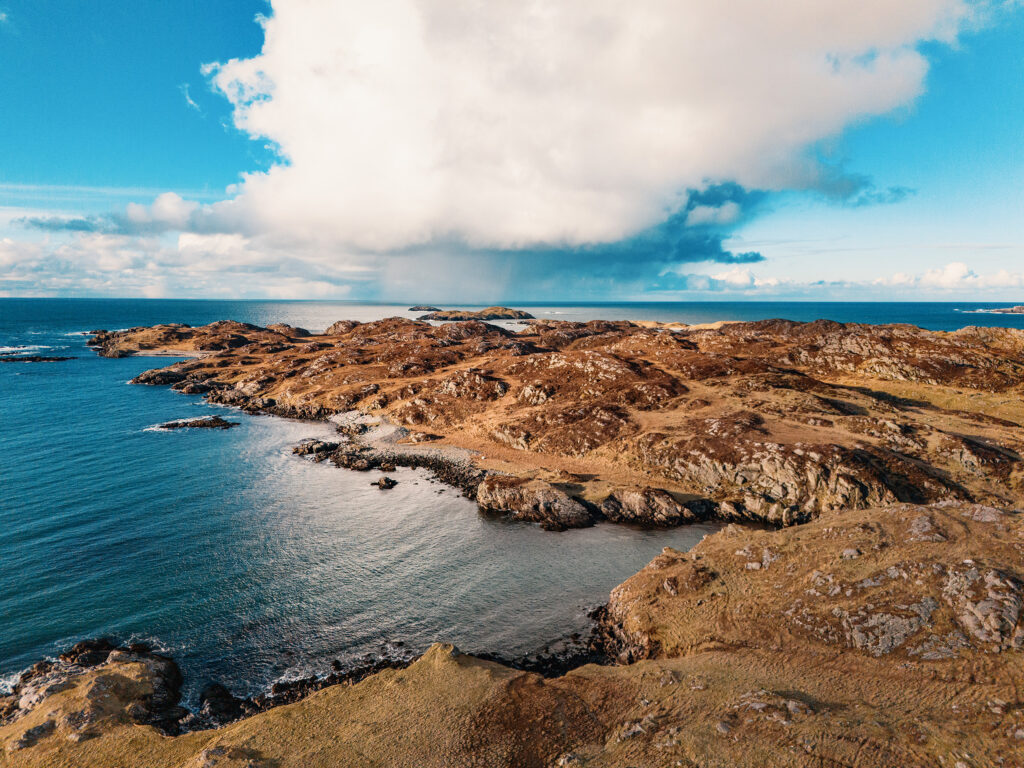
188	97
422	141
220	265
953	281
956	277
951	276
403	122
169	210
735	278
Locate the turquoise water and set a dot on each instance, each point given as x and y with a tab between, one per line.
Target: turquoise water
250	564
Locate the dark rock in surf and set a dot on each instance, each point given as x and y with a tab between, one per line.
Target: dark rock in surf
34	359
207	422
218	706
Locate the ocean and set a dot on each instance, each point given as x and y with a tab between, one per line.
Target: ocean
249	564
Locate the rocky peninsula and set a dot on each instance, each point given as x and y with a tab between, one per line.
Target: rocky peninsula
873	615
567	423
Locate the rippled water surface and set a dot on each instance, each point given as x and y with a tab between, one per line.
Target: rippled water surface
248	563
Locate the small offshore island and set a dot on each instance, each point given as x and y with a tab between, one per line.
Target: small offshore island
864	607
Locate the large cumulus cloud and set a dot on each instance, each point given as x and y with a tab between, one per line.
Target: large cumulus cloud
551	122
590	140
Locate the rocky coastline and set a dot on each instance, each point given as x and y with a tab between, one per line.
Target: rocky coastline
566	424
865	606
162	707
888	636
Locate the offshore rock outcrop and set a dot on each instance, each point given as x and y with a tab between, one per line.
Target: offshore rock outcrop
206	422
774	422
491	313
33	358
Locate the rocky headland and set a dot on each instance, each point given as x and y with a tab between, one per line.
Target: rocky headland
876	620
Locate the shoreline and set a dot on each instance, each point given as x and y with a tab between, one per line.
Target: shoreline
894	629
218	706
878	620
584	389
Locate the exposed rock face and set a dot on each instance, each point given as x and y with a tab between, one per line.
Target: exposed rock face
145	689
491	313
288	330
424	308
653	506
532	501
929	582
774	422
340	327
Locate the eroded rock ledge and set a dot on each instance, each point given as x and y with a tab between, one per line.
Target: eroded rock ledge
886	637
774	422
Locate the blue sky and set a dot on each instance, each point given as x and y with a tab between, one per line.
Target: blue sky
959	147
406	150
93	94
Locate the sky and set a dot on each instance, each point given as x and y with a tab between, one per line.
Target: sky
566	150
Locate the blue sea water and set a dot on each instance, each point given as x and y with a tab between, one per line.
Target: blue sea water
249	564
